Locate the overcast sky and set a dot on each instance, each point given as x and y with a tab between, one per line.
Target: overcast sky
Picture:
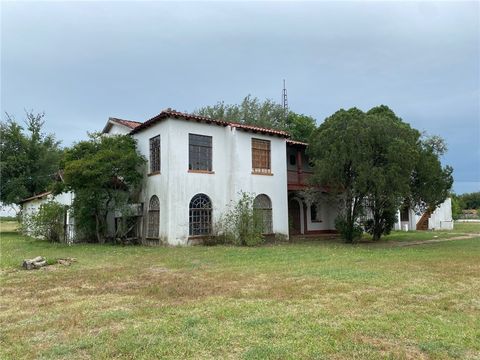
83	62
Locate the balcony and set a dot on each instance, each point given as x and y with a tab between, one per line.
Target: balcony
298	180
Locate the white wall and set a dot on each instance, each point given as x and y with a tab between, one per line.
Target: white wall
232	166
328	213
117	129
441	219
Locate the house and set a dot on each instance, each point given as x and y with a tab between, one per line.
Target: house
31	205
439	219
198	166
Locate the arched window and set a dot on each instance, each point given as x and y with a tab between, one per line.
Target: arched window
263	206
153	218
200	217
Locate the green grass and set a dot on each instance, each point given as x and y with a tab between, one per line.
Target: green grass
311	300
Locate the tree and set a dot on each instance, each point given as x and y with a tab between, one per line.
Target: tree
265	113
430	182
300	127
104	173
29	158
374	161
337	154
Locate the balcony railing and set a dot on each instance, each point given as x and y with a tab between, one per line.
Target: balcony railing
298	179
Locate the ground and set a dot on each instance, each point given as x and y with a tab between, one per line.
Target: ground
312	299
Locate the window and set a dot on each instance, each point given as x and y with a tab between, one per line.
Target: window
200	152
200	218
155	155
404	216
293	159
261	156
263	207
153	225
315	213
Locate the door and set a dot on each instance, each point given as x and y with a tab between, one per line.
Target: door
294	217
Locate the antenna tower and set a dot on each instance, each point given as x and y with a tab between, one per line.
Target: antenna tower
284	100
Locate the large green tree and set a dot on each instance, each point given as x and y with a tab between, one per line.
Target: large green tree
267	113
104	173
373	161
29	158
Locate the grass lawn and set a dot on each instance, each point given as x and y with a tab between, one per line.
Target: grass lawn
308	300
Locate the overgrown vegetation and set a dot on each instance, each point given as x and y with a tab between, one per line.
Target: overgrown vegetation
29	158
47	223
310	300
241	224
105	174
374	162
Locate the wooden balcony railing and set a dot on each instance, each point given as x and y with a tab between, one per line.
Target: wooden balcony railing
297	179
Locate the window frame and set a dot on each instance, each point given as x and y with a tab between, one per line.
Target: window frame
315	209
200	219
199	164
153	218
261	156
265	211
155	151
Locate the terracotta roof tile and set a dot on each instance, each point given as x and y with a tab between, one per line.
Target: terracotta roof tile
191	117
129	123
293	142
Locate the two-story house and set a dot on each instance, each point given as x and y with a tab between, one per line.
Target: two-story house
198	166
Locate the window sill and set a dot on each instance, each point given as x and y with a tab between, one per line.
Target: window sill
262	173
154	173
316	221
201	171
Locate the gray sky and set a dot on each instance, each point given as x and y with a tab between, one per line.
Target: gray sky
85	61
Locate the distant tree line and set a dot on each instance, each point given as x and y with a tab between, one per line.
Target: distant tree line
464	202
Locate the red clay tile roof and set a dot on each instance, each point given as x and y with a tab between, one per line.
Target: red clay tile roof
293	142
129	123
191	117
38	196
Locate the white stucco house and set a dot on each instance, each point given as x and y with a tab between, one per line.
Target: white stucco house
198	166
32	204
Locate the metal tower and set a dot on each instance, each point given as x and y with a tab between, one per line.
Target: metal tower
284	100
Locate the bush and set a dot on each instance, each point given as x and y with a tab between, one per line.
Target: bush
241	224
47	222
348	232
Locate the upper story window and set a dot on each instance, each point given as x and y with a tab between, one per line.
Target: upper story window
155	155
261	163
293	159
199	152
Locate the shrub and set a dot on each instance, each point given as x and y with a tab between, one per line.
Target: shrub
241	224
346	231
47	222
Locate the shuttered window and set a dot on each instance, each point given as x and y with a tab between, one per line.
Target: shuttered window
262	206
261	156
153	218
155	154
200	152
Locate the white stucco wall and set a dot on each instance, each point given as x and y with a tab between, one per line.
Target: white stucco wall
32	206
232	166
118	129
328	213
441	219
